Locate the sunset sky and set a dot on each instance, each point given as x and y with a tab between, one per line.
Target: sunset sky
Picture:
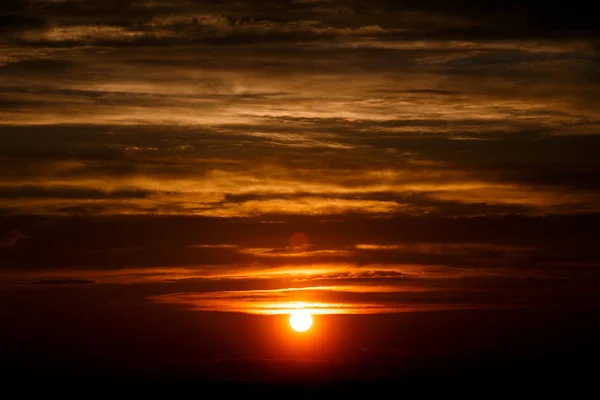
176	176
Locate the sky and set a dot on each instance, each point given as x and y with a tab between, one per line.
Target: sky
177	176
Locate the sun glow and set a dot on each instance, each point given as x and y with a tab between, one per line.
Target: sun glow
300	320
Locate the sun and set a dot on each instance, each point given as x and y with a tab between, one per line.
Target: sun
300	320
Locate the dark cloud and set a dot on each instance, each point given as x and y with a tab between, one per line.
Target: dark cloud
511	243
24	192
14	23
12	238
123	23
62	282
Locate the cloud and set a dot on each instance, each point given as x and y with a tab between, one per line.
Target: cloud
318	300
459	140
352	266
12	239
135	172
163	157
420	290
62	282
200	242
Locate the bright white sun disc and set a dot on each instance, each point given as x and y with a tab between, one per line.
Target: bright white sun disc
300	320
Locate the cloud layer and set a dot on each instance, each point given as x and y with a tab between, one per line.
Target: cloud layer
443	159
238	109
